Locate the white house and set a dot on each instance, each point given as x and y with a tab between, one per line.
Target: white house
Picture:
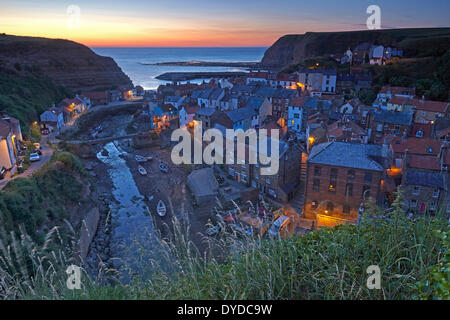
7	147
295	118
318	81
53	119
186	115
377	55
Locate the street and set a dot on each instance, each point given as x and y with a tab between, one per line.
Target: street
34	166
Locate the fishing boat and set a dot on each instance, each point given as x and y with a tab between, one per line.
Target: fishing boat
161	208
142	170
140	159
164	168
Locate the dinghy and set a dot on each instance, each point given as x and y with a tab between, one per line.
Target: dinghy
161	208
149	158
141	159
164	168
142	170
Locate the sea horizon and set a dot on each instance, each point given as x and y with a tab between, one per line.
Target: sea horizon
137	62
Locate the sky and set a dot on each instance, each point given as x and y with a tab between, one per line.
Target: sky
205	23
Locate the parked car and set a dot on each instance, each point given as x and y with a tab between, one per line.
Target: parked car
34	157
2	173
37	145
38	151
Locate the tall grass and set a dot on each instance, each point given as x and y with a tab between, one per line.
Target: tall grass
325	264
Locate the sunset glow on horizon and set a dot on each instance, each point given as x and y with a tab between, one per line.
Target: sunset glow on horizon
200	23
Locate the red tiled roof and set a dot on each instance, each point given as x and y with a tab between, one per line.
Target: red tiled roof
431	106
425	128
424	162
399	101
416	146
443	133
298	102
192	109
398	90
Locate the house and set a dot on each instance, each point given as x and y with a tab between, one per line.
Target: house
361	53
8	143
345	130
340	178
282	185
97	97
425	191
128	92
176	101
384	123
441	129
243	118
52	119
429	111
295	115
377	55
186	115
14	124
317	81
278	97
203	185
286	80
262	106
205	116
344	83
114	95
257	77
387	93
243	90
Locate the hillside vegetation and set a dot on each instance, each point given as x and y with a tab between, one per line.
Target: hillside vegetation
25	93
293	49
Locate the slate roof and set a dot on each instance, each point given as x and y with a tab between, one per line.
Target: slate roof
4	129
255	103
206	112
394	117
349	155
241	114
279	93
426	179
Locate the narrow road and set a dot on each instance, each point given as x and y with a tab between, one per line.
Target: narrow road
47	152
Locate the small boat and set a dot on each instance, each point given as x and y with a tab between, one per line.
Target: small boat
161	208
141	159
149	158
164	168
213	231
142	170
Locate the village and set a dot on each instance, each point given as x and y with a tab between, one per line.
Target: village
336	152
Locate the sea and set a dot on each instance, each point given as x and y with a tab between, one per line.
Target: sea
132	61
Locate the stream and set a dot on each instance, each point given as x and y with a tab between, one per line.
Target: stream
134	242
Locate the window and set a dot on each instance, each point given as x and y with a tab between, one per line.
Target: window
333	173
268	181
436	193
365	193
243	178
317	171
368	177
419	134
296	116
349	190
416	190
314	204
316	185
350	174
413	203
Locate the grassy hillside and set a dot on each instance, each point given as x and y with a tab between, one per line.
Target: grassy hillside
292	49
43	199
413	258
25	94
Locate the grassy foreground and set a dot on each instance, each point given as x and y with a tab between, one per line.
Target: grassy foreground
413	258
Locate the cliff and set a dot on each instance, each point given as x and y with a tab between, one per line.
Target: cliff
292	49
67	63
